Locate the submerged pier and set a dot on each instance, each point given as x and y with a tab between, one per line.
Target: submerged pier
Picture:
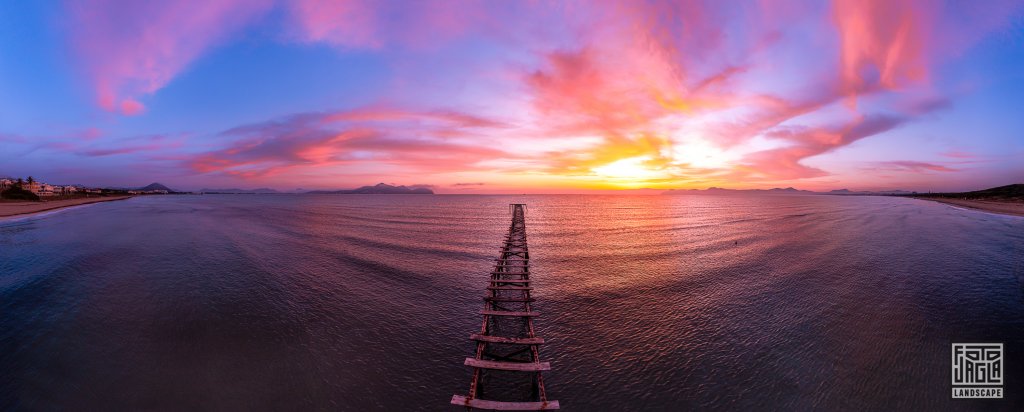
507	366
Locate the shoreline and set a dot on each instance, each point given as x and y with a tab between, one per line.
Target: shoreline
991	206
10	209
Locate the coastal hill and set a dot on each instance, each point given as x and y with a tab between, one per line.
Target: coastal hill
1013	192
379	189
155	186
1007	199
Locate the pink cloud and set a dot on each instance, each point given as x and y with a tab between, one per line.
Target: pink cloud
375	24
891	44
911	166
350	23
91	133
882	43
87	143
319	140
131	145
960	154
785	163
132	49
131	107
637	64
386	114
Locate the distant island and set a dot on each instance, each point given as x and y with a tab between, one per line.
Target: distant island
379	189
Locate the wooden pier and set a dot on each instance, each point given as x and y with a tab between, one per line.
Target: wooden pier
507	363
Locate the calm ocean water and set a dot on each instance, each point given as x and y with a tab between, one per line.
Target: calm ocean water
282	302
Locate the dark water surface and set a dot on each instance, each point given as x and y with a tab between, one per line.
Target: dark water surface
280	302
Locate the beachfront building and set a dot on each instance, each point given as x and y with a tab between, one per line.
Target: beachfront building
6	184
46	190
68	190
41	189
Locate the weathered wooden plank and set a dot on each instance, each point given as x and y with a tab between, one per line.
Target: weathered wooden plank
502	339
510	281
508	366
504	406
509	288
504	299
509	313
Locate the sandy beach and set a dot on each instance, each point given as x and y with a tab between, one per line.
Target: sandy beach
993	206
25	208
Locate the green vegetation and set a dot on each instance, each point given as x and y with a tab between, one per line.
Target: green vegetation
1008	192
17	193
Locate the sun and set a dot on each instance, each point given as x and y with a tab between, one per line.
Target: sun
630	170
702	154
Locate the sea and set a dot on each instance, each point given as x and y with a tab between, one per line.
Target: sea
366	302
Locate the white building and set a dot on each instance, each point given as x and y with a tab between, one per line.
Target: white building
6	184
47	190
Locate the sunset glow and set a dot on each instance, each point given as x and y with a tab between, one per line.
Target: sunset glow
514	96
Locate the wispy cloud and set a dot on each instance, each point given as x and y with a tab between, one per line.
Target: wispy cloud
142	144
347	138
911	166
132	49
366	24
785	163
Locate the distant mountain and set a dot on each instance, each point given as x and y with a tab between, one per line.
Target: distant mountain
788	190
720	191
261	190
155	186
379	189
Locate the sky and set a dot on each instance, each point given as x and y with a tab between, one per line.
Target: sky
523	96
